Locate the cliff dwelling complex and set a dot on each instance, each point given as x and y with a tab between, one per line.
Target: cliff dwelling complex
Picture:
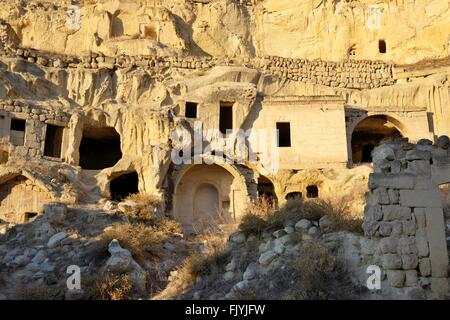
209	105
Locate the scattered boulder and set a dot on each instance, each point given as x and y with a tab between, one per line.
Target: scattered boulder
56	239
303	225
267	257
238	237
250	272
121	262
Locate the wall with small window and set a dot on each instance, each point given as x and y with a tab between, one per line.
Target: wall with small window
32	134
305	132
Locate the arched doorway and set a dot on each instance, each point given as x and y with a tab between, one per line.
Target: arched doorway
208	195
266	189
371	132
206	204
20	199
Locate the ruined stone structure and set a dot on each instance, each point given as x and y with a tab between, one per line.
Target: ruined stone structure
88	109
404	214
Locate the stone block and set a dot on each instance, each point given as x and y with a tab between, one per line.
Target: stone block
390	180
419	168
437	241
381	195
394	196
416	154
422	246
411	278
409	261
425	267
409	228
373	213
396	278
396	212
419	216
420	198
388	245
407	245
391	261
385	229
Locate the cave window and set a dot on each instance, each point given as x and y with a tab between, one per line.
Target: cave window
294	196
124	185
226	117
53	141
191	110
312	191
27	216
99	148
150	32
382	46
352	51
17	137
284	134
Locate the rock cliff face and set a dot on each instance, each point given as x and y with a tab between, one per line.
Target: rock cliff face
399	31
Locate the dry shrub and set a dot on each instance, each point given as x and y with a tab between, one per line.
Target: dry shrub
211	260
252	224
144	208
338	210
169	226
207	264
260	216
34	292
315	264
139	239
109	287
115	287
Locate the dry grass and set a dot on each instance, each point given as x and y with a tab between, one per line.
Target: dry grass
144	208
108	287
315	264
115	287
141	240
209	262
260	216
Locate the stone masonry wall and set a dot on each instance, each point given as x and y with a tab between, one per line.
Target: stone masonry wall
353	74
404	216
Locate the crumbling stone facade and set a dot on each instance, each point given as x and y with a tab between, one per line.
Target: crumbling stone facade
404	213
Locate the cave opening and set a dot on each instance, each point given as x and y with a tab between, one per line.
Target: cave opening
99	148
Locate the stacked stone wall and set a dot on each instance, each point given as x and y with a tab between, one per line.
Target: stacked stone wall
404	213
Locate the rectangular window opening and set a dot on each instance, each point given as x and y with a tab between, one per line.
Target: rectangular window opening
226	117
191	110
284	134
18	125
382	46
17	132
53	141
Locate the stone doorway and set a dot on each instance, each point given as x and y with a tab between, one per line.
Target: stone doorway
206	205
207	196
371	132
